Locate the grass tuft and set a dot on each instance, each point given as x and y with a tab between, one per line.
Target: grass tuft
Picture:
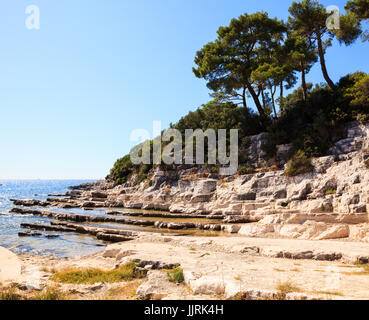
363	272
125	272
331	293
287	287
50	294
176	275
330	192
299	164
9	294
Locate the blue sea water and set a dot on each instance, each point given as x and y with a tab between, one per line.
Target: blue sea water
64	246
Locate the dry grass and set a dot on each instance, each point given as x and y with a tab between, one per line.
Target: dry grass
9	294
287	287
364	270
50	294
48	270
330	293
125	272
126	292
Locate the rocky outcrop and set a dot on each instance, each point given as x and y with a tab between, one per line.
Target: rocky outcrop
323	204
331	202
105	234
136	222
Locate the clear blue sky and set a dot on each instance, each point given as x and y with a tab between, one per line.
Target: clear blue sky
72	92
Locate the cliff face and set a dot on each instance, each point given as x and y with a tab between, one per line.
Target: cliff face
330	202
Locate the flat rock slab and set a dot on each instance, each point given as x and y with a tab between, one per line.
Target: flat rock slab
10	266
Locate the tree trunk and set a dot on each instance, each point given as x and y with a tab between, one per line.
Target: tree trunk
272	93
303	79
281	96
262	95
244	97
256	99
323	65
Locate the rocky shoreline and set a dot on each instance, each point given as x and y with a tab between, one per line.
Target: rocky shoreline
265	219
213	268
329	203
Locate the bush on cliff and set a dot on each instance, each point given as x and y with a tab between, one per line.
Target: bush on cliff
222	115
299	164
311	125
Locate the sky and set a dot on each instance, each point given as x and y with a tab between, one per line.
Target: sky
72	91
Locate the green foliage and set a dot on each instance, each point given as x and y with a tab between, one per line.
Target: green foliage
176	275
124	169
308	18
310	125
327	207
330	192
359	92
227	63
217	115
270	147
243	170
349	30
125	272
360	8
299	164
214	170
257	56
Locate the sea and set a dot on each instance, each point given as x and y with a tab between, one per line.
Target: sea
65	245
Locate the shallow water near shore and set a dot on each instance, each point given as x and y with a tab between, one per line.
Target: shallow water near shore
70	244
64	246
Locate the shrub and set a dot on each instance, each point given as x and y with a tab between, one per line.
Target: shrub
9	294
359	92
327	207
125	272
311	125
330	192
245	143
270	147
214	170
362	118
176	275
243	170
299	164
50	294
287	287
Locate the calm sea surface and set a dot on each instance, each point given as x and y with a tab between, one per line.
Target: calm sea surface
64	246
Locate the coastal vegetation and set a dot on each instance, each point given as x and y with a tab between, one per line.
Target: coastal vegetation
256	59
125	272
11	293
176	275
299	164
